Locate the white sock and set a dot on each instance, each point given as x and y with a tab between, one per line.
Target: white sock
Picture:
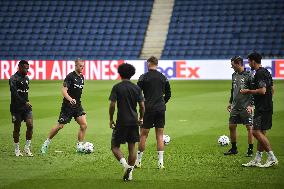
258	156
139	156
161	157
47	141
17	146
28	143
123	163
271	155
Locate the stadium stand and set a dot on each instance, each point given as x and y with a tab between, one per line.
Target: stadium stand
112	29
201	29
68	29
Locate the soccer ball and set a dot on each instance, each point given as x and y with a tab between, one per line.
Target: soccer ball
224	140
88	148
166	139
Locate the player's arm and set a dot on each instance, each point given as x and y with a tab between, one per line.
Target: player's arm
260	91
65	94
229	107
111	112
140	81
168	92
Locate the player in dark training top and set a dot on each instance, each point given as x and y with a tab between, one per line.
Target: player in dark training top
71	106
127	95
157	92
262	120
20	107
240	105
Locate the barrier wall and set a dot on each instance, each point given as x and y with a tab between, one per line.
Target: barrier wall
107	69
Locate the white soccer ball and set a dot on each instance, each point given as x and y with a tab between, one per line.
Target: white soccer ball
166	139
88	147
224	140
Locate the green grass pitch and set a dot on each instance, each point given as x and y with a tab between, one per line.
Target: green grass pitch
196	116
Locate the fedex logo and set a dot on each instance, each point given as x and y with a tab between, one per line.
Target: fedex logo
275	67
177	69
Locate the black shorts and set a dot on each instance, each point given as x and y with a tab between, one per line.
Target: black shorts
22	116
154	119
240	117
123	134
262	120
69	111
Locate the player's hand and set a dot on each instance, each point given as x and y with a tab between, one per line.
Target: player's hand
140	122
244	91
111	124
229	108
250	109
28	104
73	101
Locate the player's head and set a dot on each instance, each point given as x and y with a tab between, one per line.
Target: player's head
126	71
254	60
23	67
237	63
152	61
79	65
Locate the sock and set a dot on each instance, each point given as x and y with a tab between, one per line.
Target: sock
234	145
161	157
251	146
28	143
123	163
17	146
47	141
271	155
139	156
258	156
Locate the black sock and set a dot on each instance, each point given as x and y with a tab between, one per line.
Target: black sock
234	145
251	146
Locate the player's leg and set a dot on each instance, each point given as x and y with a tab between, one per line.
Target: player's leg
119	137
265	144
144	132
131	161
29	133
234	119
82	121
159	123
262	122
160	146
250	141
65	117
80	117
16	120
246	118
54	130
233	137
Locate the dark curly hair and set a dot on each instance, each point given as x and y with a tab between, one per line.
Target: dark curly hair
126	71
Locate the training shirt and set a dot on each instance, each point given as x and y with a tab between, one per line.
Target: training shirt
240	81
156	89
19	88
127	95
262	78
75	85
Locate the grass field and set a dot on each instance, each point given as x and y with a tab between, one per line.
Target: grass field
196	116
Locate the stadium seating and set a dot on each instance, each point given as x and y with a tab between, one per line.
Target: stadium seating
68	29
112	29
201	29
